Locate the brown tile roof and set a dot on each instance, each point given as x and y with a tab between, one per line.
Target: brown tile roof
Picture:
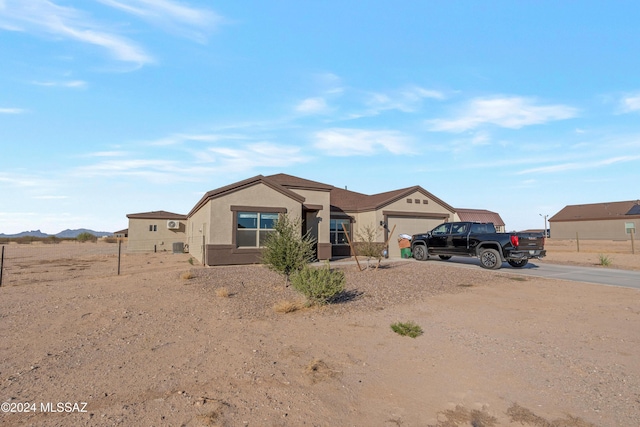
480	215
291	181
341	199
157	215
232	188
598	211
350	201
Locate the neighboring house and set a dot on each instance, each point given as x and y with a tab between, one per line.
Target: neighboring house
155	231
228	225
610	221
121	233
482	215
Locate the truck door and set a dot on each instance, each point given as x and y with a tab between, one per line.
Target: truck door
439	236
457	240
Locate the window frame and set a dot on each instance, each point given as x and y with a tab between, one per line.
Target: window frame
335	232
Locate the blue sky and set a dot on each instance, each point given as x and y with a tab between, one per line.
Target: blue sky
110	107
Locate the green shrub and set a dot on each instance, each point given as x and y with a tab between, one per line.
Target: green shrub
319	285
286	250
604	260
86	237
407	329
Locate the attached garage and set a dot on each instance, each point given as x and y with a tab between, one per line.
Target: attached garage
411	210
408	224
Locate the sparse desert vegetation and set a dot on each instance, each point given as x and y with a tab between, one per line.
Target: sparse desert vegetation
143	349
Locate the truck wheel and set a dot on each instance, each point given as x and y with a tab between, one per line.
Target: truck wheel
490	258
420	252
444	257
518	263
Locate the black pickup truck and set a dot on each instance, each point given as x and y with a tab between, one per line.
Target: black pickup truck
478	240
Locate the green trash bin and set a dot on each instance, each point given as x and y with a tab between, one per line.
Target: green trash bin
405	252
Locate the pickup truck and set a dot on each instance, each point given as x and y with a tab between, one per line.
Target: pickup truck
480	240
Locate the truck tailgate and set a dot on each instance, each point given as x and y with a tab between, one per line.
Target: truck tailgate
530	241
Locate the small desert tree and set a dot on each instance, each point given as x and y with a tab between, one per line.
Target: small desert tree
86	237
367	244
286	250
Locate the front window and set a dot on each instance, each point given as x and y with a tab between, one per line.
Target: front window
338	236
254	227
442	229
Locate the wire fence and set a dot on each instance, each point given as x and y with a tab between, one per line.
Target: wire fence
39	262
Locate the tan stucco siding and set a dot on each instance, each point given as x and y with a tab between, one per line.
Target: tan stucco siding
197	232
318	222
417	205
222	226
216	218
146	235
603	229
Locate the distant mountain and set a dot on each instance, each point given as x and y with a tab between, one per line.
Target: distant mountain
32	233
72	234
66	234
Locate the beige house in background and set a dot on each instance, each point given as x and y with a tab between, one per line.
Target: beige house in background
607	221
481	215
228	225
155	231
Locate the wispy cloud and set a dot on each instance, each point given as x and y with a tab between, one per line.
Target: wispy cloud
49	19
171	15
45	18
260	154
70	84
12	111
630	103
183	138
569	166
196	166
316	105
407	99
360	142
507	112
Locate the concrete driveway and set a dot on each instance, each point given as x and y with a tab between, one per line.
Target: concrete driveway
598	275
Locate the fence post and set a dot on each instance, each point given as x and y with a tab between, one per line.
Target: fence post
1	265
119	250
577	241
633	246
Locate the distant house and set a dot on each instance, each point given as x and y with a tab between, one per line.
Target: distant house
155	231
610	221
482	215
121	233
228	225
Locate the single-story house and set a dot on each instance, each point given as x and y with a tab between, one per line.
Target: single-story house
121	233
228	225
606	221
482	215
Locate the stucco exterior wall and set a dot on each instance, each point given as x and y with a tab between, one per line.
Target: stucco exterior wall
216	219
197	229
604	229
159	239
321	217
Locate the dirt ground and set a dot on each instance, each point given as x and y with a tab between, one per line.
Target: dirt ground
171	343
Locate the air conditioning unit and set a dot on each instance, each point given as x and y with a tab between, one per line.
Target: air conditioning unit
173	225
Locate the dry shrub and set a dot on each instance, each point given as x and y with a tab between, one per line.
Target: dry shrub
186	275
223	292
319	371
287	306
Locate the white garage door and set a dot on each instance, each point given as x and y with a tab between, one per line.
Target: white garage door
410	226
